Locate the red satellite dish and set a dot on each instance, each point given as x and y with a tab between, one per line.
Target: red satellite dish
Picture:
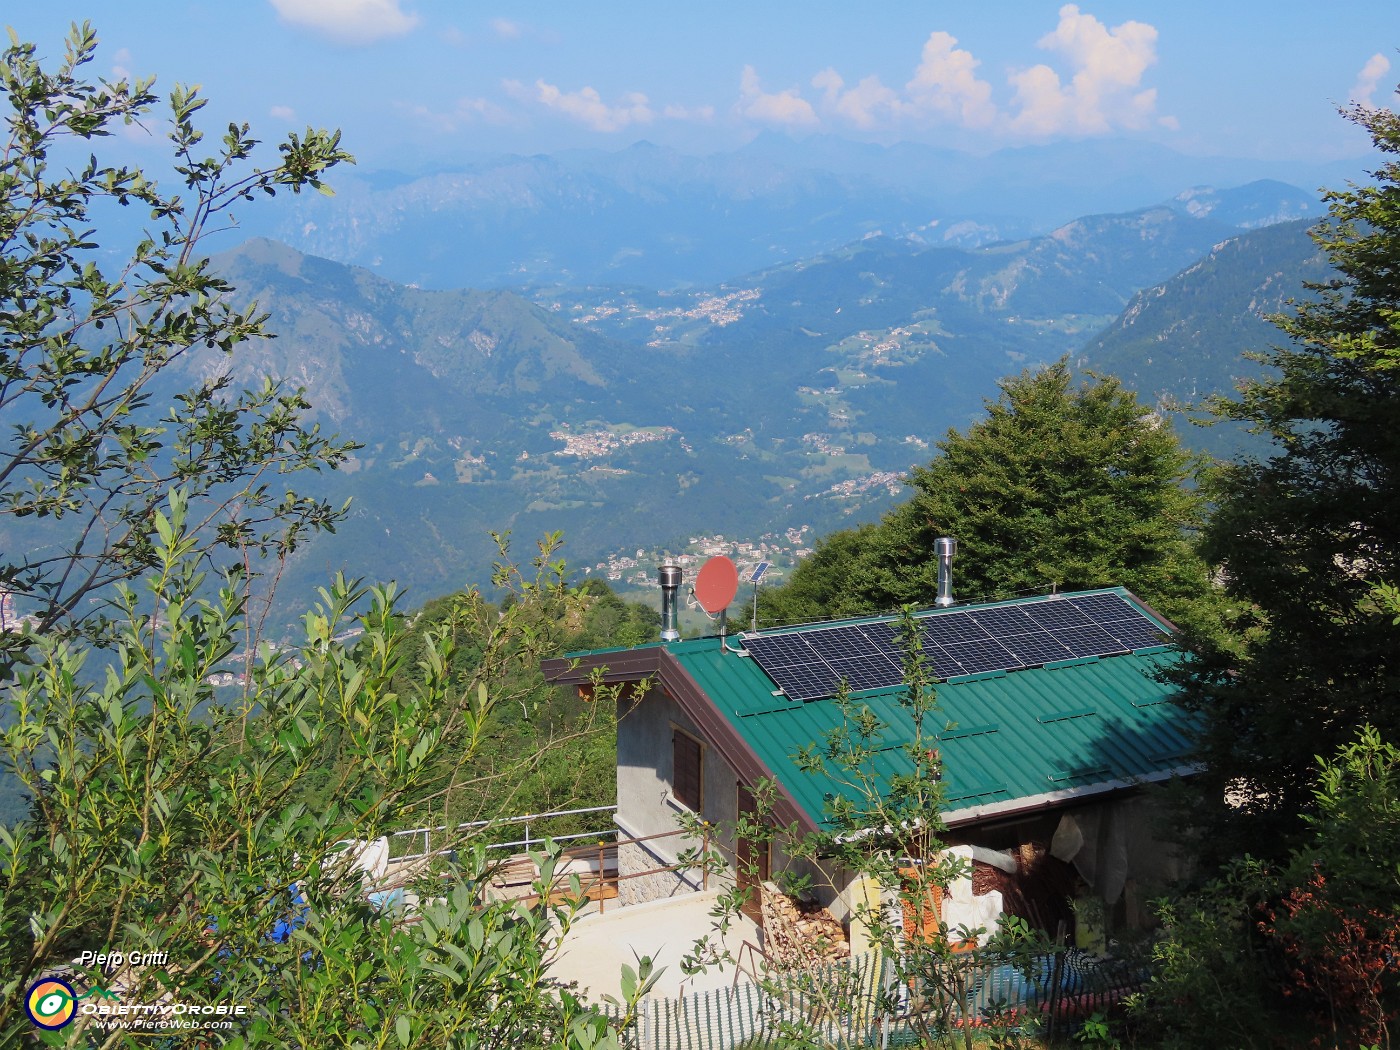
716	584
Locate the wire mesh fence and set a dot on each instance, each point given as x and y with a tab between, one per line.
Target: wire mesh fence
868	1001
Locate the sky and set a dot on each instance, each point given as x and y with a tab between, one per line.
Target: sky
425	84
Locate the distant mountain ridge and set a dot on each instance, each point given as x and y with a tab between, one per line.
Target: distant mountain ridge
1263	203
345	333
653	216
1186	335
644	214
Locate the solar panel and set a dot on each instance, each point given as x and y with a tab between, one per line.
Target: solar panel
1136	634
781	649
979	656
873	673
942	662
807	665
1054	613
1039	647
1101	607
996	621
952	629
844	643
1088	640
811	682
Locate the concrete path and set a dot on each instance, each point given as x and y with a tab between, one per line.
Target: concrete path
597	946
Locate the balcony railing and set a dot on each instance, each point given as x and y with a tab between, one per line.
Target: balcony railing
418	843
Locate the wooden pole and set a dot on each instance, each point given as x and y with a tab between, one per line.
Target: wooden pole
602	896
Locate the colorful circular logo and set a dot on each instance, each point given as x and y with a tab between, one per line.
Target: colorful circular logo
51	1003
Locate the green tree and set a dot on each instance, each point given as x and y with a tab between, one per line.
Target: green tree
1338	926
1065	483
169	816
1302	951
1309	536
572	742
97	432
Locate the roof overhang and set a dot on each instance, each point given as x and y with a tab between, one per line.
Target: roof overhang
1032	804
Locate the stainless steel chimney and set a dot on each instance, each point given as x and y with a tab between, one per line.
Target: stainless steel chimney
945	547
669	575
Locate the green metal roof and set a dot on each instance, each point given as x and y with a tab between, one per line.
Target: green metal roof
1009	740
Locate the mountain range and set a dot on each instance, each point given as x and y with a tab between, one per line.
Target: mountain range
653	216
632	416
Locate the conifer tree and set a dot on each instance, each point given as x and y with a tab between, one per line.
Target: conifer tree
1308	534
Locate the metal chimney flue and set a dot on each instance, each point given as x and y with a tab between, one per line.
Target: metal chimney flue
669	575
945	547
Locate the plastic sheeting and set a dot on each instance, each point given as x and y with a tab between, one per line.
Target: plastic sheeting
962	909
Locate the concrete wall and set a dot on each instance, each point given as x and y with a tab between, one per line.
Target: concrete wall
645	805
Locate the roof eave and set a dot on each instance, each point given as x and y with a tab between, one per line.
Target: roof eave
1030	804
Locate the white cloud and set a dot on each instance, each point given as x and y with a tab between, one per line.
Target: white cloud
863	105
283	113
868	102
587	107
121	64
506	29
945	84
1101	88
1105	90
1369	79
348	21
698	114
829	83
784	107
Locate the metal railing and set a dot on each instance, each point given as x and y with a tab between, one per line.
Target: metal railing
453	832
614	880
607	842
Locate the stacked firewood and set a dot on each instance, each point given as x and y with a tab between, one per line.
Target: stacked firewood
799	934
1039	890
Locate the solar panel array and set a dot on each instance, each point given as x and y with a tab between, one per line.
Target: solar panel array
807	665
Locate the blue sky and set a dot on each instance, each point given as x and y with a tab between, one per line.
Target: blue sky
426	83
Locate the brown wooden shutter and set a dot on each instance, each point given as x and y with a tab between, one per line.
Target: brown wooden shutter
685	770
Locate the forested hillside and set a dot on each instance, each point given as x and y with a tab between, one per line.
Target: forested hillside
796	396
1187	339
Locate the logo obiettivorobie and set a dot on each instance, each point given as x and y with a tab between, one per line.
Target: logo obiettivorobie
51	1003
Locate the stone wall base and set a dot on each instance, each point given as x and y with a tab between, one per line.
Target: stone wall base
633	858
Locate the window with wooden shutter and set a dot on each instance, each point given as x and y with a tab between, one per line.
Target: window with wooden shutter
685	770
